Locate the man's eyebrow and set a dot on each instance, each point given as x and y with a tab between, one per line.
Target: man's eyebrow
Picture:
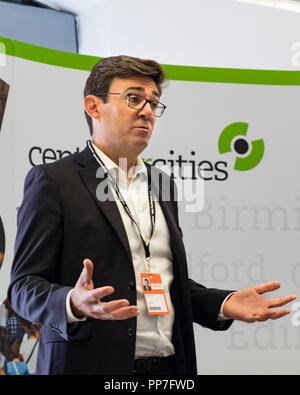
140	89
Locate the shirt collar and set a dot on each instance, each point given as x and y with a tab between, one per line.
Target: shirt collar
139	168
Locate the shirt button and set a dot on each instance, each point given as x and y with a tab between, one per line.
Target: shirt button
131	331
131	286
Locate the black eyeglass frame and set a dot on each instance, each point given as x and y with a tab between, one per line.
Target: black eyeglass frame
162	106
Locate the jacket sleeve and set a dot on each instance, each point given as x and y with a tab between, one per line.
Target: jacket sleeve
206	305
32	292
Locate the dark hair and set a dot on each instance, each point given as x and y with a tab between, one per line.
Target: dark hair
122	66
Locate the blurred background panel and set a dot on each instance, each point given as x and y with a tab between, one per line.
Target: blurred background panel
27	21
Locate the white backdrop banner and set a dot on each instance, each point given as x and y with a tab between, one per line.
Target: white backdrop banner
235	131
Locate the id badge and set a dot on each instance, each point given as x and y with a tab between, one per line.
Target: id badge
154	294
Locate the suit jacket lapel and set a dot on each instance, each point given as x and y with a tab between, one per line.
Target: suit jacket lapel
92	179
162	188
177	246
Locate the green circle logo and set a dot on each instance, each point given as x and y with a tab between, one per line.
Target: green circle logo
232	138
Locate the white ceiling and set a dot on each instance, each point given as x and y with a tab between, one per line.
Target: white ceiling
289	5
78	6
73	6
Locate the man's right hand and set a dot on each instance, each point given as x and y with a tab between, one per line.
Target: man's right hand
85	300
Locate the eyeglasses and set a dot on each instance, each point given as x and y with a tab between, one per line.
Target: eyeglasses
138	102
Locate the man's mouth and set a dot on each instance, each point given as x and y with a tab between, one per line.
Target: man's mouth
143	128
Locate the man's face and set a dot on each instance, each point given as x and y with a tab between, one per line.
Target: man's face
121	129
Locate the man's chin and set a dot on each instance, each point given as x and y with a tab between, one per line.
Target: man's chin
141	144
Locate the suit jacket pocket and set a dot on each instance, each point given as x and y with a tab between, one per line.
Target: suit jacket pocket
77	332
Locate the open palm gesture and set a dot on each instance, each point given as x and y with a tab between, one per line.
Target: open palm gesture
248	305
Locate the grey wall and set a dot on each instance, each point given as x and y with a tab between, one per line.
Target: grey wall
38	26
207	33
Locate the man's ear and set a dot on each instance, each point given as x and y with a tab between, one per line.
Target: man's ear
93	105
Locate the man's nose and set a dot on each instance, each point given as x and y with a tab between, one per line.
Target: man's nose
146	111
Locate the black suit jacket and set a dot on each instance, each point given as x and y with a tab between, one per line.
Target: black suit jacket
60	223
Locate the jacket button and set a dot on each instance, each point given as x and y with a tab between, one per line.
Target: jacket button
131	286
131	332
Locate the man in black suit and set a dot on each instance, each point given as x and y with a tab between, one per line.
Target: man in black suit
98	207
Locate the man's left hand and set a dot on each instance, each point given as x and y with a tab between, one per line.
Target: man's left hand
248	305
